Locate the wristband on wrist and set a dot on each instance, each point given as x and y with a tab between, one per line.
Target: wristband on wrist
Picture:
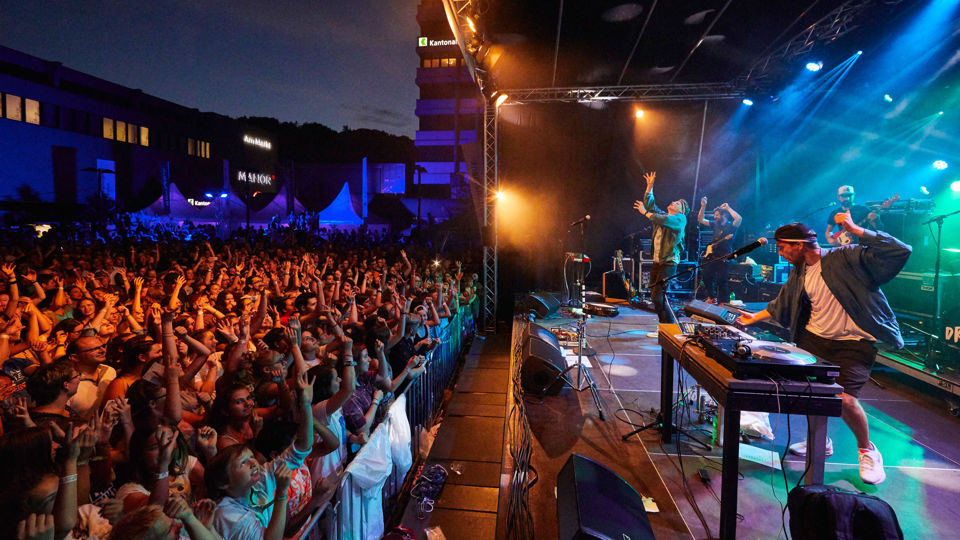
68	479
161	476
12	282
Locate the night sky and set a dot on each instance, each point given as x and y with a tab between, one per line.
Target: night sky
334	62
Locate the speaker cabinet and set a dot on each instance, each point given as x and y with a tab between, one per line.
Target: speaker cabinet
542	304
594	502
613	287
542	362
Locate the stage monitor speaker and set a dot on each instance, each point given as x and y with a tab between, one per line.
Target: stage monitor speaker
595	502
542	363
912	293
542	304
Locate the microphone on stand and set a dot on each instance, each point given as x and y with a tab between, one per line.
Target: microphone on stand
581	220
746	249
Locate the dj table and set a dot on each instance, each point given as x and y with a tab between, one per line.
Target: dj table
815	400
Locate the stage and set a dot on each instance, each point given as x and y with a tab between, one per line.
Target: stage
912	429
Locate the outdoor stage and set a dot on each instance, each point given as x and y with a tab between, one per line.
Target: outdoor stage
914	431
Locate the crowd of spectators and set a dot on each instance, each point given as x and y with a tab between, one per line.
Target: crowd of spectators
165	383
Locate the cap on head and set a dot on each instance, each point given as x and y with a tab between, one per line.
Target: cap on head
795	232
845	190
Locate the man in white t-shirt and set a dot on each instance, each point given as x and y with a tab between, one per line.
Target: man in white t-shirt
834	308
88	354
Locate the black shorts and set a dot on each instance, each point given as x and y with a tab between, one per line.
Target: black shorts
855	358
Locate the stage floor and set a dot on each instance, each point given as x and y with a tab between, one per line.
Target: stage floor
909	424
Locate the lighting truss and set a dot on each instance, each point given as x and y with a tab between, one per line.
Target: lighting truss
491	185
828	28
645	92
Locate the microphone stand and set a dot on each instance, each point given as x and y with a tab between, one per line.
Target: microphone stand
812	212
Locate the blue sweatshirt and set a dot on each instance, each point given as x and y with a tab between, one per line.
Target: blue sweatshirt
854	274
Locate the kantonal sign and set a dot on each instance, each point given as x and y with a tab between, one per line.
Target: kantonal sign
257	141
427	42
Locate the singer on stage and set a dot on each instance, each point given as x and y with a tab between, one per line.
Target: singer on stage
667	242
834	308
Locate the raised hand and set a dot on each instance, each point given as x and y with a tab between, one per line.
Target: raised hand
8	271
138	283
305	386
282	475
207	440
167	441
650	177
203	510
36	527
703	202
256	422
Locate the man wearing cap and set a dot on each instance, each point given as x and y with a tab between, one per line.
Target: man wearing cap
861	216
667	241
834	308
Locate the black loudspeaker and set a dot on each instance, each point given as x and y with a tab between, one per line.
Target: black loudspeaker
594	502
613	287
542	362
912	293
542	304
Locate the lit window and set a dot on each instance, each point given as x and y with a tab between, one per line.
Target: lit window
434	62
144	136
107	128
204	149
132	133
13	107
191	147
121	131
32	109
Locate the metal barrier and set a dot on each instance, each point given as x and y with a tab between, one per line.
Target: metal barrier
423	398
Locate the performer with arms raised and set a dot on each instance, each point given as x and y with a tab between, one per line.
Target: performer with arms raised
667	242
834	308
716	275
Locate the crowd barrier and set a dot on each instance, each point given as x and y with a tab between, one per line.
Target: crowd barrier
378	470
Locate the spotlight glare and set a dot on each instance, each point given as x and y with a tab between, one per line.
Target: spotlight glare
500	195
814	66
639	113
223	195
500	99
939	164
955	187
925	190
887	98
208	195
859	53
940	113
748	102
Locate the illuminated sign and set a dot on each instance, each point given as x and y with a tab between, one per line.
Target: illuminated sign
256	141
427	42
249	177
198	203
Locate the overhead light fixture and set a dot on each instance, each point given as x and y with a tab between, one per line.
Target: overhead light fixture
638	114
814	66
748	102
471	24
940	165
887	98
223	195
500	195
208	195
955	186
500	99
925	190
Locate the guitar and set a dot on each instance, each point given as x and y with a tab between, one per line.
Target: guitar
708	252
844	238
618	266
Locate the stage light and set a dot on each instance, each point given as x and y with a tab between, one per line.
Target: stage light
223	195
748	102
955	186
638	114
208	195
501	195
859	53
500	99
887	98
939	164
814	66
925	190
436	262
940	113
471	24
952	250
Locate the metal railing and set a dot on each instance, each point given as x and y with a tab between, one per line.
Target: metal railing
421	400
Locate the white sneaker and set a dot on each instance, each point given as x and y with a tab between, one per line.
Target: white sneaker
800	448
871	465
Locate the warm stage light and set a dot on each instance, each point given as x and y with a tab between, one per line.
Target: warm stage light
925	190
814	66
955	186
500	99
638	114
470	23
501	196
939	164
747	101
887	98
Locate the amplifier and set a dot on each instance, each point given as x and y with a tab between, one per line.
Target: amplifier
911	293
613	287
781	272
744	271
